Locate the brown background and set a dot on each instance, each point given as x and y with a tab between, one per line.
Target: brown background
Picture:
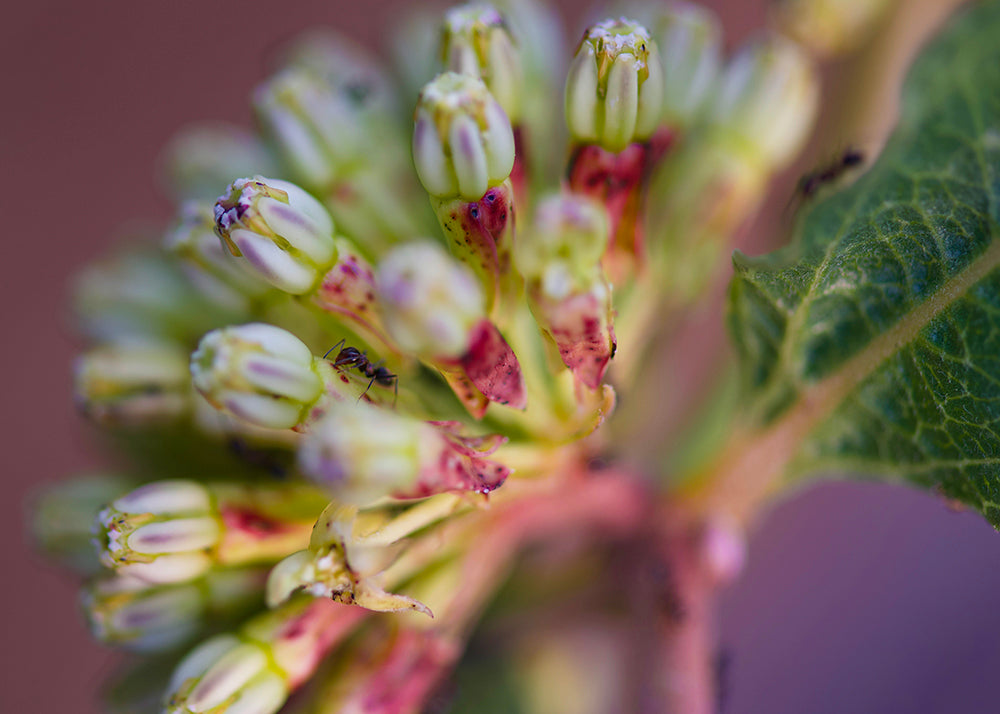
858	598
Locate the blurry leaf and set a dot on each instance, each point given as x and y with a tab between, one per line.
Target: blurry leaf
878	329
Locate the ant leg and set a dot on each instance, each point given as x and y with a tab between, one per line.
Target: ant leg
366	389
334	347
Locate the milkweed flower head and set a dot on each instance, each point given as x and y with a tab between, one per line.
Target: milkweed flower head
380	349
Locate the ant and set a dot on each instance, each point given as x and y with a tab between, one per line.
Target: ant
352	357
814	180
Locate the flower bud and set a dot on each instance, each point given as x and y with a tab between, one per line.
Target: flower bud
830	27
689	40
614	90
569	295
282	231
259	373
202	158
141	293
430	301
127	612
463	143
132	382
767	98
159	533
226	674
476	41
315	128
149	531
362	453
206	261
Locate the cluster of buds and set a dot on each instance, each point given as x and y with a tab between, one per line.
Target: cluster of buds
407	375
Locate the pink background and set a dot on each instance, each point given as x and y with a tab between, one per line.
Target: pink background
858	598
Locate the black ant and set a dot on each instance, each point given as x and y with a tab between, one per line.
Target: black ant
814	180
376	373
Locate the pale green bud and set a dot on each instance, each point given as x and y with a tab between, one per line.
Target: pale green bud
202	158
767	98
132	382
476	41
315	127
284	233
226	674
463	143
689	40
614	90
430	301
563	250
259	373
362	453
830	27
207	262
128	612
160	532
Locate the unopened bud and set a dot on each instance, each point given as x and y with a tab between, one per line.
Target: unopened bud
159	533
476	41
128	612
614	90
463	143
830	27
767	98
569	295
132	382
259	373
226	674
315	127
202	158
690	44
282	231
362	453
431	302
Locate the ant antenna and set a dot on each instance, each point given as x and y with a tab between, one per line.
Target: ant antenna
327	353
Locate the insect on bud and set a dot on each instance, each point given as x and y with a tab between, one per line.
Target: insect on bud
282	231
476	41
259	373
614	90
463	143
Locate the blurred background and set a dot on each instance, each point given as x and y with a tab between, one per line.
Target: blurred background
857	598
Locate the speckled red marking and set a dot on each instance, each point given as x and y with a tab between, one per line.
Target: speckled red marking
492	366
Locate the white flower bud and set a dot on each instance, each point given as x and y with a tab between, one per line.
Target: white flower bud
132	382
316	129
463	143
259	373
159	533
362	453
768	97
614	90
476	41
689	40
226	674
430	301
282	231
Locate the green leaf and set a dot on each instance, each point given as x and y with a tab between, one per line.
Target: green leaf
875	337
